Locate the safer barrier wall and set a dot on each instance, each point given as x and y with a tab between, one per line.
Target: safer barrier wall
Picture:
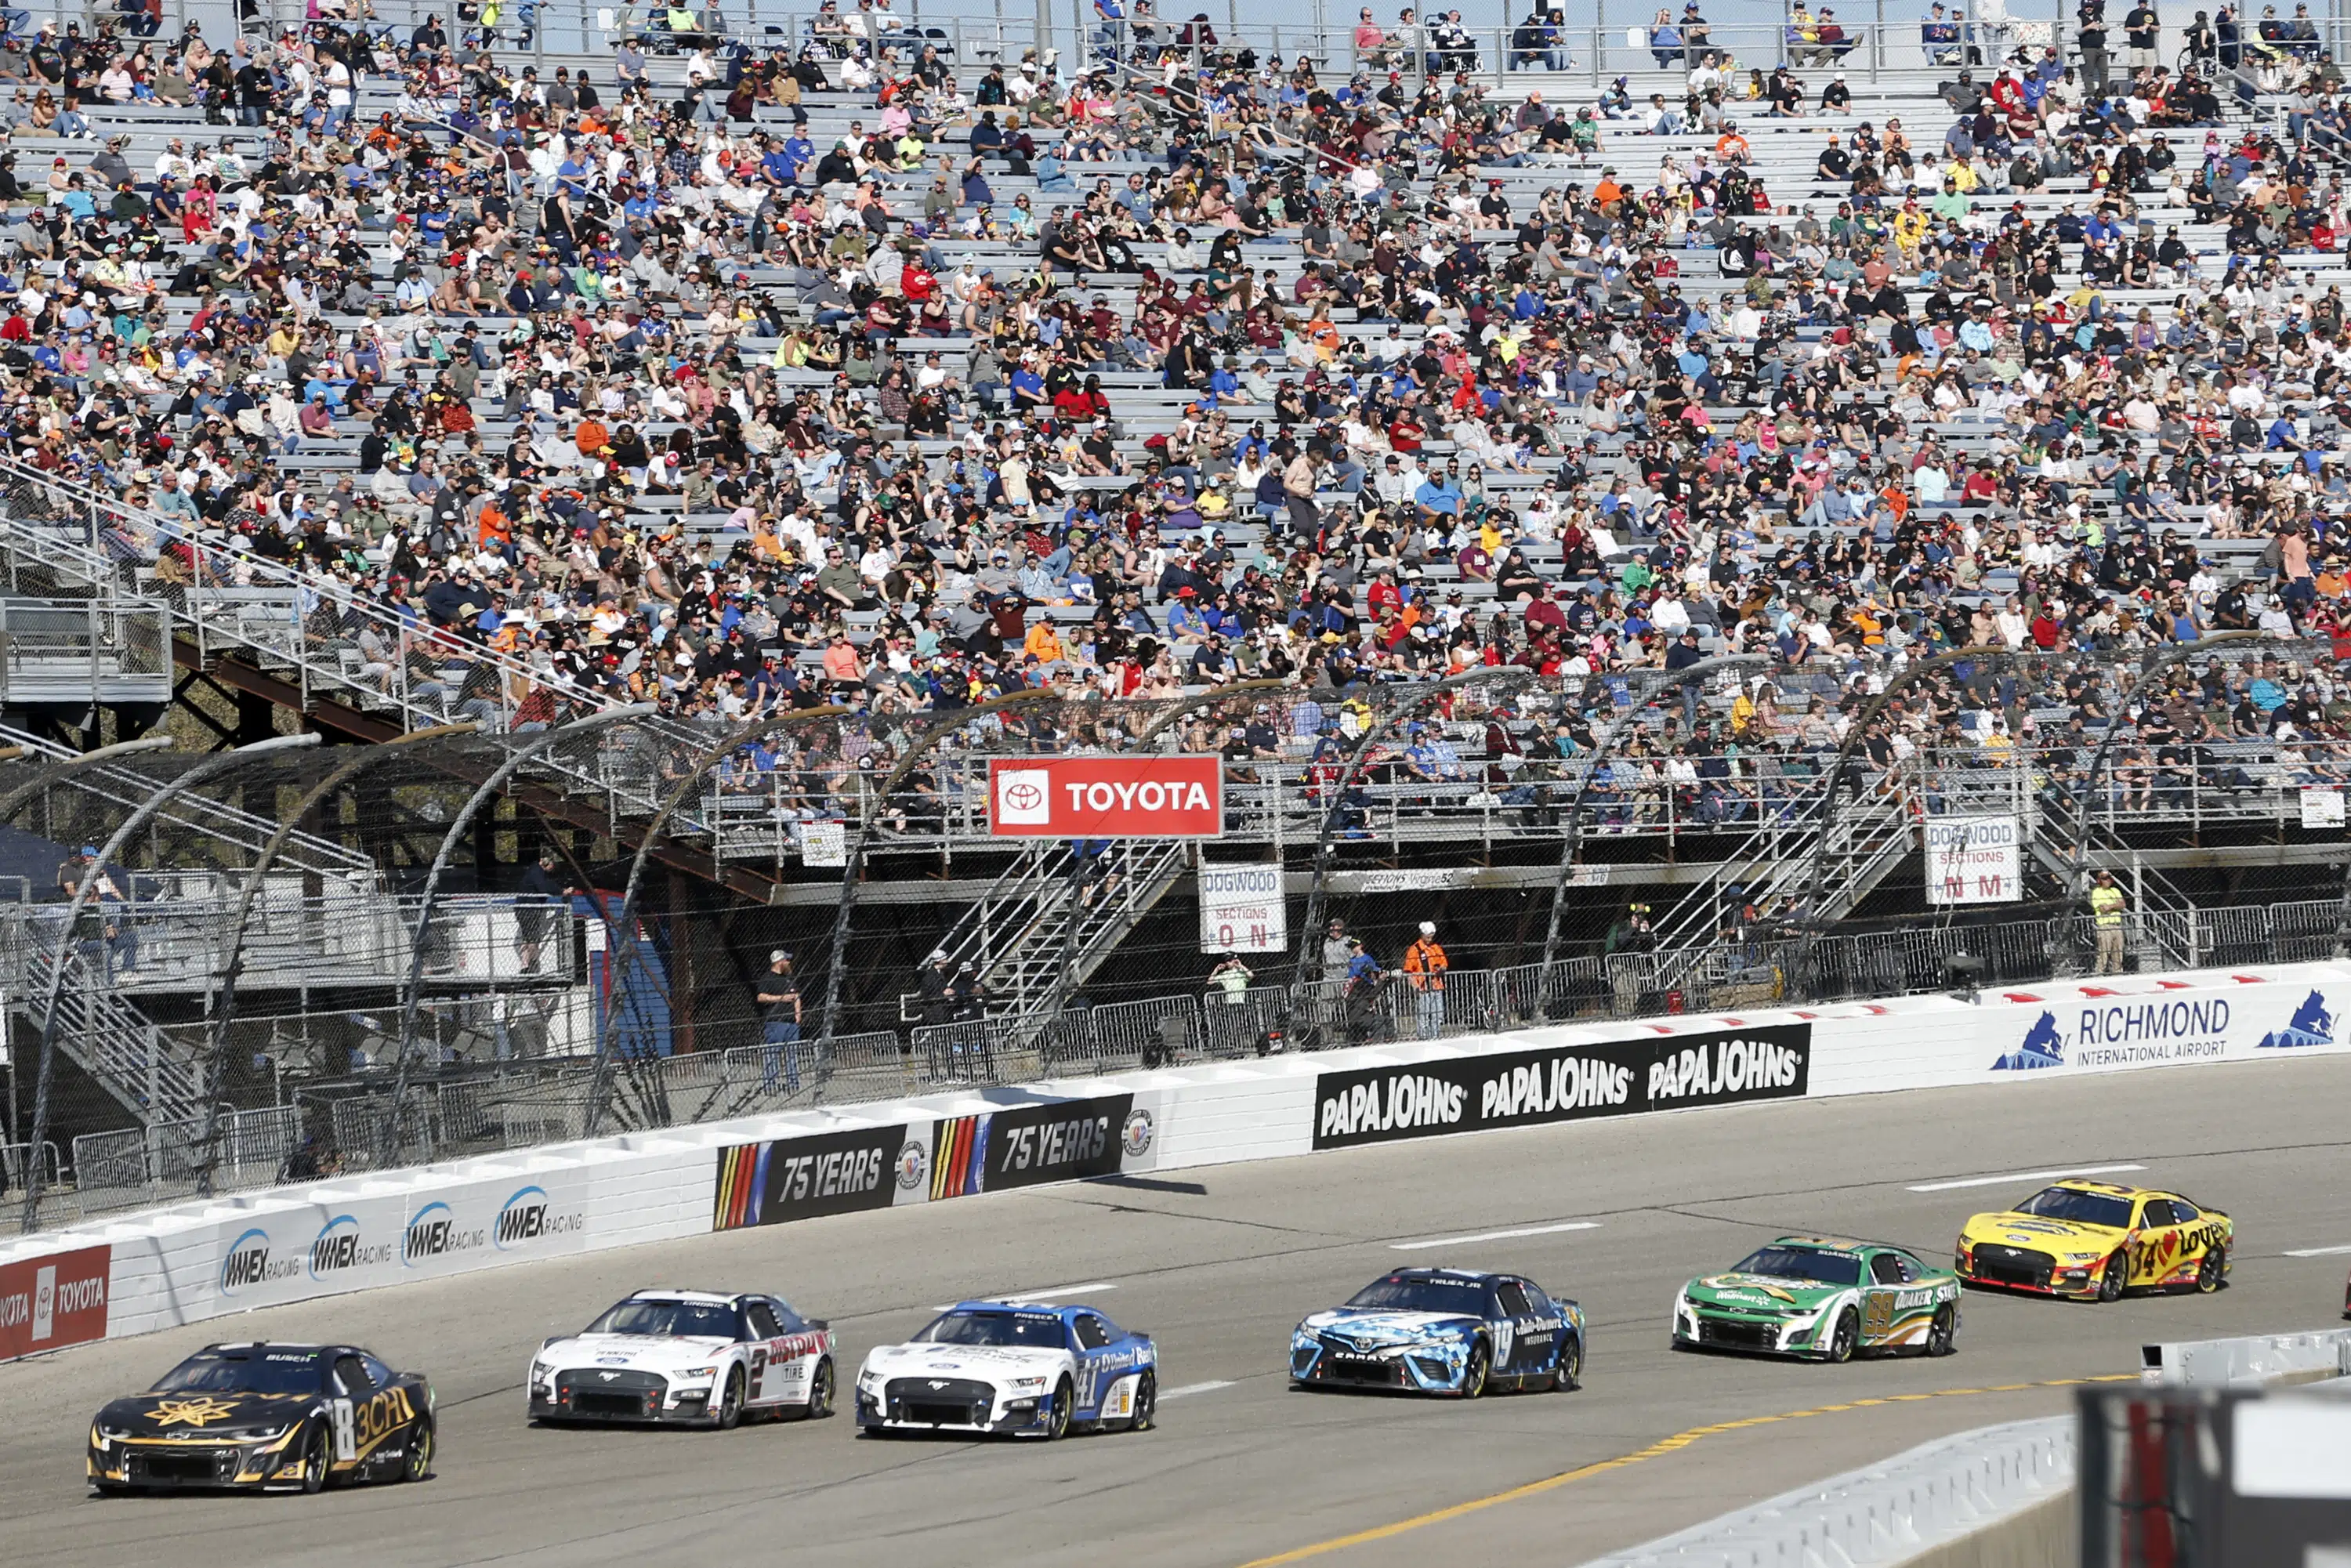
193	1261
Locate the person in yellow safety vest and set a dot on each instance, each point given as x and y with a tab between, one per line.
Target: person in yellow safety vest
1424	971
2107	905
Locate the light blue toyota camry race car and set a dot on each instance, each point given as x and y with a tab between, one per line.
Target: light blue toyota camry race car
1032	1369
1442	1331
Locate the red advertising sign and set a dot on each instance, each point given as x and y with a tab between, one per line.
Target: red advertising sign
46	1304
1105	797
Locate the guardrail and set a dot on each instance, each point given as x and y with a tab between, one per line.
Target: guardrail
1886	1514
2247	1361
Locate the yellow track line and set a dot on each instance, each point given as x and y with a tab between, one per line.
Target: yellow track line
1678	1441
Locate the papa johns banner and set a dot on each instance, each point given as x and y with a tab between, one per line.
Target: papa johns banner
1565	1083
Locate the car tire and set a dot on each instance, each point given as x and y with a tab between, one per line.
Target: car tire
1843	1339
1568	1376
1942	1334
109	1488
1146	1402
2117	1277
315	1464
2213	1273
416	1465
1474	1375
730	1402
1057	1423
821	1391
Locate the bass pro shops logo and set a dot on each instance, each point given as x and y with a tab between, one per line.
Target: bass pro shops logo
531	1215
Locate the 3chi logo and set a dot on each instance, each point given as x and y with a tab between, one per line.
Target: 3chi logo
913	1163
530	1216
198	1412
1135	1136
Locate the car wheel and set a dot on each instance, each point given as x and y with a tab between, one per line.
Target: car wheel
2117	1275
1942	1336
820	1399
419	1463
1845	1337
2214	1272
109	1488
1473	1377
1057	1420
730	1402
1146	1402
314	1460
1568	1376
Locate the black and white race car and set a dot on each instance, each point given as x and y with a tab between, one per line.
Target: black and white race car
698	1358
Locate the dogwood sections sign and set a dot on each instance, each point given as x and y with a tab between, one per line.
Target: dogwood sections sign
1105	797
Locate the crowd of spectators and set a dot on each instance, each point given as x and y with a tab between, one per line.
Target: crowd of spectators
624	382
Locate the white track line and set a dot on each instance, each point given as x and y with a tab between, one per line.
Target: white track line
1193	1388
2023	1176
1492	1235
1058	1295
2319	1252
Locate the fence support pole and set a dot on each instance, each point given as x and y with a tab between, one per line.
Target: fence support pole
388	1139
225	1006
131	827
623	946
1573	839
1325	837
940	729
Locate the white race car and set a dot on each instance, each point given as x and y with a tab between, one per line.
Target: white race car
1023	1367
695	1358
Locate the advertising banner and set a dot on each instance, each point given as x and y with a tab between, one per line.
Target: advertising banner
47	1304
1566	1083
1974	860
1242	910
1067	1140
799	1178
1106	797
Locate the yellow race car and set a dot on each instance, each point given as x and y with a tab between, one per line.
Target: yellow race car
2092	1241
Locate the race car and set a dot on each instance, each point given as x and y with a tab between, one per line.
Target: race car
693	1358
266	1417
1442	1331
1820	1298
2092	1241
1033	1369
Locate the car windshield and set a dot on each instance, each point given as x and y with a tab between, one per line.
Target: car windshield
1802	1263
259	1370
669	1320
2079	1208
1034	1331
1402	1293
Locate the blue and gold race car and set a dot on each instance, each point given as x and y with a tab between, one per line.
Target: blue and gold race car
1442	1331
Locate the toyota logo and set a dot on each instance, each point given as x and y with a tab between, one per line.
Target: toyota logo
1023	797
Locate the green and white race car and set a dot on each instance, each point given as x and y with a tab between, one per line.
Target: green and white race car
1821	1298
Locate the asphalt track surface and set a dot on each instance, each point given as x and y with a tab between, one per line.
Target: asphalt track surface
1219	1264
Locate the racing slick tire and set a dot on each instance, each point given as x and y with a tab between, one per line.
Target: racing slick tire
316	1466
1473	1377
1568	1375
821	1391
416	1465
1057	1424
2213	1273
730	1402
2116	1276
1942	1334
1146	1402
1845	1338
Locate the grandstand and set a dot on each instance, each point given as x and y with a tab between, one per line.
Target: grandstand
655	513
